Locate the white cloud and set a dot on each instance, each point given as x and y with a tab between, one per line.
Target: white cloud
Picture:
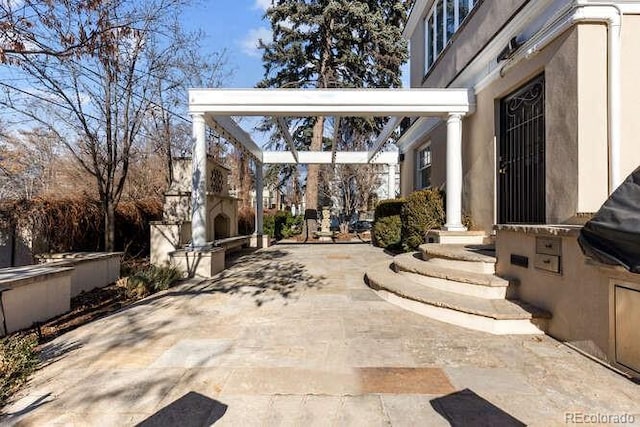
250	42
262	4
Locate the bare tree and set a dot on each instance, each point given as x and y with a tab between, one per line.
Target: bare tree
92	73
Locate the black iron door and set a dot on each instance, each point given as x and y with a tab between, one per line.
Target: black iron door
521	156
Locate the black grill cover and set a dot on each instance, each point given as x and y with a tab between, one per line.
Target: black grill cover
612	236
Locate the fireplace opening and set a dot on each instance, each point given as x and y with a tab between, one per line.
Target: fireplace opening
221	227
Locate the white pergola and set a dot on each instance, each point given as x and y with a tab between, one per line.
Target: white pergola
216	107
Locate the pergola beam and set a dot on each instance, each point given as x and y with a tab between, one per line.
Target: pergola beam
332	102
383	137
325	157
230	130
284	130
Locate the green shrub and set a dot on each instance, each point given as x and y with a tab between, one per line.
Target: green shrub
387	231
269	224
151	280
282	224
390	207
423	211
293	226
18	359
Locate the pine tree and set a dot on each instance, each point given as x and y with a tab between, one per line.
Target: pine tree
334	44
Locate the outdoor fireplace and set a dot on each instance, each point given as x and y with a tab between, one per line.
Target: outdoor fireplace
221	227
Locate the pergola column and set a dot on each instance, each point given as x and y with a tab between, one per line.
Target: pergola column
391	180
199	183
454	174
259	200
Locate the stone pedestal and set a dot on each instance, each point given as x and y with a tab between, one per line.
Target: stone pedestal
203	264
262	241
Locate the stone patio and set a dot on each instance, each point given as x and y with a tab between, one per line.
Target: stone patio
291	335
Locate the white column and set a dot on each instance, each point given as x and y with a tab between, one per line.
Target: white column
454	174
392	181
259	200
198	184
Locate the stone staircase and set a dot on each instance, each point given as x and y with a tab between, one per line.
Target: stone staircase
457	284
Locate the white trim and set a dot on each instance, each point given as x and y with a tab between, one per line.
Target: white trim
229	129
382	139
328	102
417	12
325	157
484	69
415	134
418	184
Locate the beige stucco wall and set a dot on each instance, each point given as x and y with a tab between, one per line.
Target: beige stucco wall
36	300
575	68
90	270
592	118
407	173
578	299
488	17
630	154
480	132
167	237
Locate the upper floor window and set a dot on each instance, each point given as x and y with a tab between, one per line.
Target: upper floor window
441	23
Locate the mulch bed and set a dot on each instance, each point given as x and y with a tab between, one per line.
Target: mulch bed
86	307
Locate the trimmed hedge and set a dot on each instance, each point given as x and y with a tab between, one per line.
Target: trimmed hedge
388	231
389	207
422	211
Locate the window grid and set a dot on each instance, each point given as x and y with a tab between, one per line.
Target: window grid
423	168
441	23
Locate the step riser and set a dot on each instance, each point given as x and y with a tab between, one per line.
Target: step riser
467	320
468	289
449	239
470	266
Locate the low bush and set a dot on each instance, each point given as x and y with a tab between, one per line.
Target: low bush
422	211
390	207
387	231
151	280
18	359
281	224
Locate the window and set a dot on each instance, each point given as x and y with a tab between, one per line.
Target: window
423	167
441	23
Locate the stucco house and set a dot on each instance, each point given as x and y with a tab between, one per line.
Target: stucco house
556	84
554	131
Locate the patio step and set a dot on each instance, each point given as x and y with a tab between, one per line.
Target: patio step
496	316
473	258
451	279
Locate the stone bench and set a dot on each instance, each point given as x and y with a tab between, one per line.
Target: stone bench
232	243
33	293
90	269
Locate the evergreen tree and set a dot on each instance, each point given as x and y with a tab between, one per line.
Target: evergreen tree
334	44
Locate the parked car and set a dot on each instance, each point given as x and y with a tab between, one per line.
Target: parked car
360	226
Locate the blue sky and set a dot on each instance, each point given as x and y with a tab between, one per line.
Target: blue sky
234	25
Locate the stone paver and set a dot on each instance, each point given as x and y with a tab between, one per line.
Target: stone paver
292	336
